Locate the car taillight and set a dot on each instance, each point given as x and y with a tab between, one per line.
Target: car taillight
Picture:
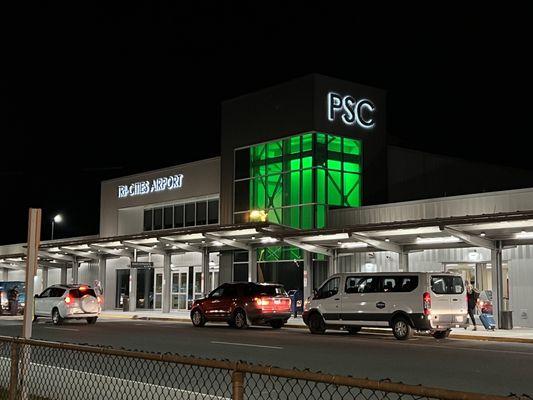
68	299
426	298
262	301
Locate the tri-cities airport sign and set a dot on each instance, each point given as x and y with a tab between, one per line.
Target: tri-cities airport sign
351	111
165	183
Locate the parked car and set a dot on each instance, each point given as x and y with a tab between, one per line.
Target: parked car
485	301
406	302
5	287
61	302
244	303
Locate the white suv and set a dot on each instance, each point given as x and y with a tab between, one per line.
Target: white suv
62	302
405	301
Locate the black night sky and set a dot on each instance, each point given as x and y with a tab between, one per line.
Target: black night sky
90	92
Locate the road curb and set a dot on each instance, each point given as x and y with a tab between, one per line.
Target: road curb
294	326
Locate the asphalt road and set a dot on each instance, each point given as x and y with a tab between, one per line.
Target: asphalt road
488	367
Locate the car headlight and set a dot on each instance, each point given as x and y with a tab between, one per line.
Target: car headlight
307	302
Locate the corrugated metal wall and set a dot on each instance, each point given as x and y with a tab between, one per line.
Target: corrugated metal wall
483	203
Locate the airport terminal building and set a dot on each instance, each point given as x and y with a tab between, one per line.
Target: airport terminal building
305	186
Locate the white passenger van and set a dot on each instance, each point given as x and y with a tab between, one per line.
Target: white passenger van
405	301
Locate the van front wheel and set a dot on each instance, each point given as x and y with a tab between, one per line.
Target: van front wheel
317	324
401	329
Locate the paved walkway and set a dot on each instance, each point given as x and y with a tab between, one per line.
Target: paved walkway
518	335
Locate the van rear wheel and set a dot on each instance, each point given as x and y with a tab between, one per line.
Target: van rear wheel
442	334
401	329
317	324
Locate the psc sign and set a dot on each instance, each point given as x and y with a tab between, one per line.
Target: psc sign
352	111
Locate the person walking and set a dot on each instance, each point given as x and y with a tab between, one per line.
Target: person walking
13	300
472	295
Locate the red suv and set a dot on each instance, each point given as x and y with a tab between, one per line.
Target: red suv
244	303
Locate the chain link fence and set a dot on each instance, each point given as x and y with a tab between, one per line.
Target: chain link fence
38	370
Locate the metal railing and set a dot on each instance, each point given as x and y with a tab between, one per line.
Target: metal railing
39	370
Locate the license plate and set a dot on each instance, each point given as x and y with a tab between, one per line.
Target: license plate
277	301
459	318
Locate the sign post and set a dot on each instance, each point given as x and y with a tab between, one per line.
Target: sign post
34	239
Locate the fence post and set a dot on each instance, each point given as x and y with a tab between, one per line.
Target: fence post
237	384
14	370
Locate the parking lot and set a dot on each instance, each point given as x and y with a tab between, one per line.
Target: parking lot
470	365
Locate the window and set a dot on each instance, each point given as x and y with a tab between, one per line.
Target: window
178	216
398	283
167	217
269	290
358	284
219	292
407	283
201	213
230	291
212	211
240	272
328	289
445	284
46	293
148	220
158	218
77	294
190	212
56	292
388	284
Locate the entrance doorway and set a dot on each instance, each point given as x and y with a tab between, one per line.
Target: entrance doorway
145	288
158	290
179	289
123	287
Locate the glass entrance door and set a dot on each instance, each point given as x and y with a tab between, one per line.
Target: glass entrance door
158	290
179	289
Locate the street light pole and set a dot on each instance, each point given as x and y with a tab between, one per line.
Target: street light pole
57	219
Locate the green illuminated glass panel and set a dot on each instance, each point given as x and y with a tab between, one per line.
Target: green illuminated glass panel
334	144
352	146
307	162
307	142
352	167
294	145
320	186
294	164
334	164
307	186
334	188
352	190
321	138
274	149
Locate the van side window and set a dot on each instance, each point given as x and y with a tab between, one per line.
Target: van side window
388	284
445	284
407	283
328	289
358	284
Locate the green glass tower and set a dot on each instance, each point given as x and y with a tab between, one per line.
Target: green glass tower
297	178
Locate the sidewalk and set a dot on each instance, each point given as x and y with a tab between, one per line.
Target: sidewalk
516	335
